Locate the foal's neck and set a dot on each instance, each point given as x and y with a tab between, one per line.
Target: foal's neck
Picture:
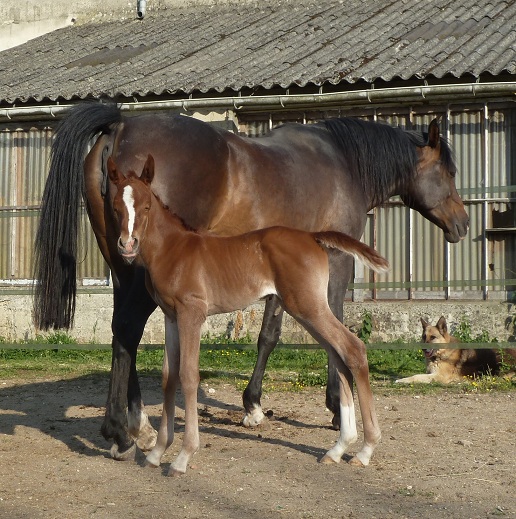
168	224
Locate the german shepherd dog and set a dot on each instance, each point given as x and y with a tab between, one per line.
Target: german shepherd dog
452	365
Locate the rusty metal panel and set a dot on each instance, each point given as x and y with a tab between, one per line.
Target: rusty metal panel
91	267
24	162
428	256
393	242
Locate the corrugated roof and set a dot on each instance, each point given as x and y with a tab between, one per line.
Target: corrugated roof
229	47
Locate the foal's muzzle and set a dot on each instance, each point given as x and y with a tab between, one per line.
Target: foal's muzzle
129	250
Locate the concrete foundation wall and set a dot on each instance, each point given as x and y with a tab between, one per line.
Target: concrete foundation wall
391	320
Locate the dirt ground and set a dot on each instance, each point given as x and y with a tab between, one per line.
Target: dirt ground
449	455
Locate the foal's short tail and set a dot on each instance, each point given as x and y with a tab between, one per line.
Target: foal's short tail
361	251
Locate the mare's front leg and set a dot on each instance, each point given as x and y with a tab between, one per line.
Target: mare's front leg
341	268
125	418
189	322
170	381
267	340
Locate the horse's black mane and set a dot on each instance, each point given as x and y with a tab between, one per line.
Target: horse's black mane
378	153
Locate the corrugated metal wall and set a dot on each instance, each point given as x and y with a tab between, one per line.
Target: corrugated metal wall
423	264
24	159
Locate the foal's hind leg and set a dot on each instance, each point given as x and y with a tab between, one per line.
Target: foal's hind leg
348	426
339	341
267	340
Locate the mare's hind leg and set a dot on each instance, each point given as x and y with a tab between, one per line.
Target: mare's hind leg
125	418
267	340
170	381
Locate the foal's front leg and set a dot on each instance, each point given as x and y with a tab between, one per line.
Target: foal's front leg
170	380
189	340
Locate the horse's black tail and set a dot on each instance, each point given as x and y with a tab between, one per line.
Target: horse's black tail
55	248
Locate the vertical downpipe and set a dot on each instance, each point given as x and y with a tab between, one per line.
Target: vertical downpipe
411	238
17	161
141	6
446	243
485	266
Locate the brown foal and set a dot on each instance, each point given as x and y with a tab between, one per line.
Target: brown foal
192	275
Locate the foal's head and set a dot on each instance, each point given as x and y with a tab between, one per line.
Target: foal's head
131	205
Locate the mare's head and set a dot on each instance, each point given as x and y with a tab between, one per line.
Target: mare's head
431	191
131	205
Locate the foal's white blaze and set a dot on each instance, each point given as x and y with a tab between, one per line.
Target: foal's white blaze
348	432
128	199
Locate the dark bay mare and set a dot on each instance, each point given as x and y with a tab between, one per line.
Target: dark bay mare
324	176
193	274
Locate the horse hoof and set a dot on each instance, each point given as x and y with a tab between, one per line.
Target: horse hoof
355	462
128	455
145	435
174	473
328	460
254	418
150	465
147	440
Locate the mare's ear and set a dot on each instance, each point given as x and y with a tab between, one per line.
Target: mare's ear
434	137
442	326
114	175
148	170
424	324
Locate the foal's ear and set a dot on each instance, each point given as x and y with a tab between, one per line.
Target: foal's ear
148	170
424	324
434	138
114	175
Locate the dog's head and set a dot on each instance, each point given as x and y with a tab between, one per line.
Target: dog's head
437	334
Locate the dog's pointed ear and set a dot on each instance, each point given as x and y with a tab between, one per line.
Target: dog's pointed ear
424	324
442	326
148	170
114	175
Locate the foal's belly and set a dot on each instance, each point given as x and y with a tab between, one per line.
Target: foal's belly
238	299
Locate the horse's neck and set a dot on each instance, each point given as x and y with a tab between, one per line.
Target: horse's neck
374	201
164	229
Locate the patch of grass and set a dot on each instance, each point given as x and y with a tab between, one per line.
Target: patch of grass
393	364
287	369
55	363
